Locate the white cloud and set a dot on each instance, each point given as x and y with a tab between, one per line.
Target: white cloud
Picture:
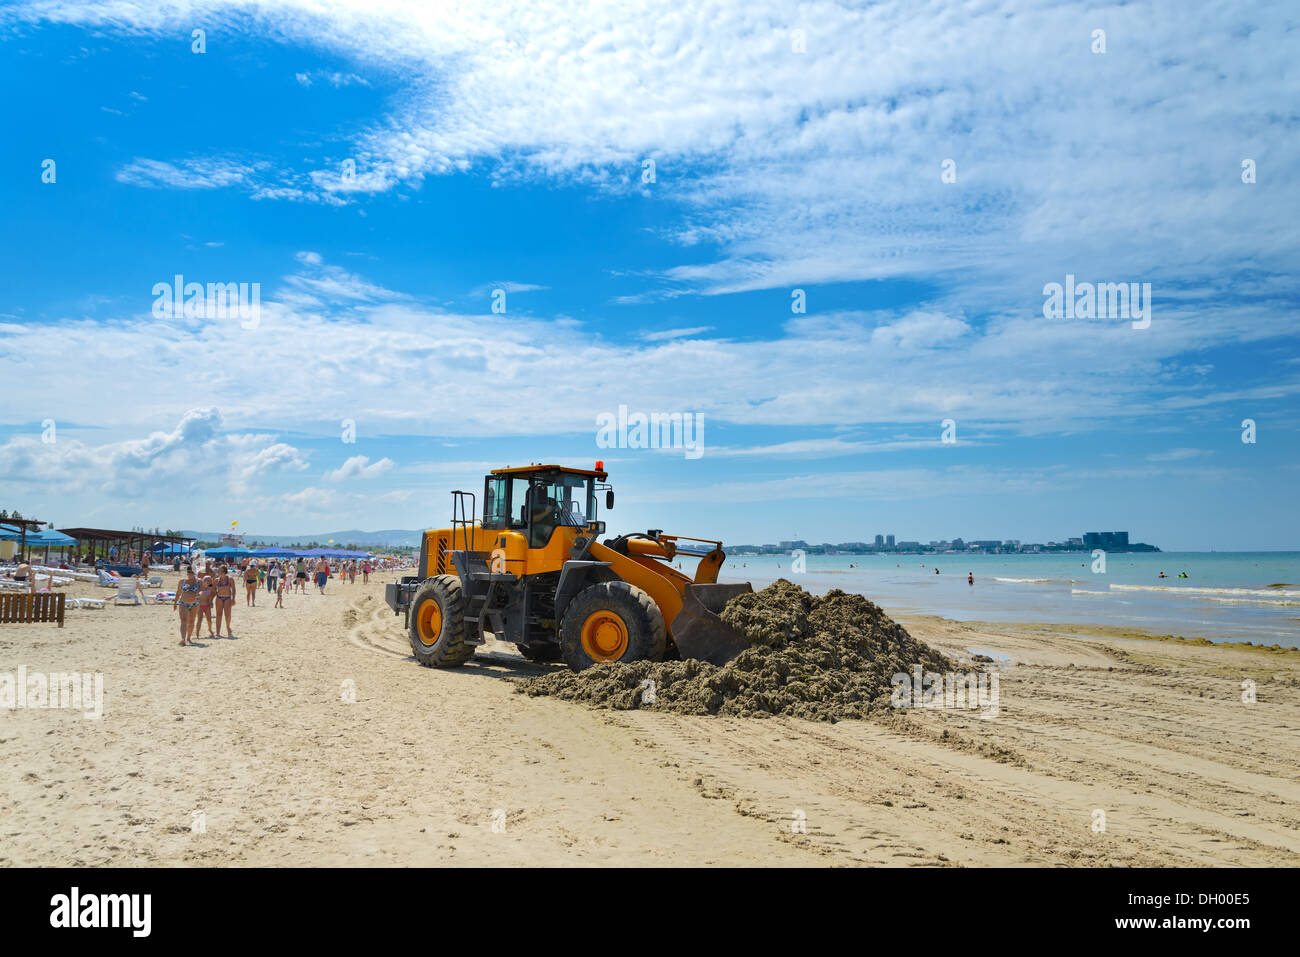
359	467
509	287
336	345
193	458
1177	455
664	334
824	165
189	174
333	78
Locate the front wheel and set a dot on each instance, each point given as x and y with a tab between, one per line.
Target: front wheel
438	624
612	621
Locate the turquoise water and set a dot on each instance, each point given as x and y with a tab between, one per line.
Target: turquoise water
1227	596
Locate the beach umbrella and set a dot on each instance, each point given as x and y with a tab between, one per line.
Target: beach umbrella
50	538
228	551
274	551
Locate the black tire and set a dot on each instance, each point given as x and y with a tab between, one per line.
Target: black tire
446	649
646	636
541	653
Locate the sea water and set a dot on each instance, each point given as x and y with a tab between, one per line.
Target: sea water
1227	596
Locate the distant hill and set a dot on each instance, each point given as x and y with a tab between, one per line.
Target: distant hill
387	536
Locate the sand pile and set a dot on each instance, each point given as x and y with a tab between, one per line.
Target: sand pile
824	658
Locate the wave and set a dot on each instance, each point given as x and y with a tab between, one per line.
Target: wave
1191	591
1027	581
1255	601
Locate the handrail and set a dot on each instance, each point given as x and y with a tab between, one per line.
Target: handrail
462	520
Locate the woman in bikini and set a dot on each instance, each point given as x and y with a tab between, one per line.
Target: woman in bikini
189	603
225	599
250	584
205	605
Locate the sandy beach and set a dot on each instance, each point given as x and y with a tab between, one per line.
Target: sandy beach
253	738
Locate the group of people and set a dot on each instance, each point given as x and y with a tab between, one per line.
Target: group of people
196	597
199	594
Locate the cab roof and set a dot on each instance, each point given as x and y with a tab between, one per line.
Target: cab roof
519	469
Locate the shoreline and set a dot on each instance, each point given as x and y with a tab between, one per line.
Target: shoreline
1099	632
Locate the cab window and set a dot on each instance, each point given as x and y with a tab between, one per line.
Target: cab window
496	507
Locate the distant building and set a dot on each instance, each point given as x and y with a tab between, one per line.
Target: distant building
987	544
880	541
889	540
909	545
1074	541
787	546
1106	540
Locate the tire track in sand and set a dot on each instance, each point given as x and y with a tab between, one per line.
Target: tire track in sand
372	629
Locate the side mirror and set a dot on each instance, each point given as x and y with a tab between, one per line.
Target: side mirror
609	499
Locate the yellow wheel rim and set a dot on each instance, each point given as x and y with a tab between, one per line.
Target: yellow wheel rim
604	636
428	623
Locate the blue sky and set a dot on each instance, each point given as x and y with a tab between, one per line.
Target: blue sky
379	170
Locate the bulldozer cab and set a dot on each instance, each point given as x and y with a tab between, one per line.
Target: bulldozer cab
537	500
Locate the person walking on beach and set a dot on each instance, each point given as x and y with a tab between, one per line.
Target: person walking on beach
300	581
279	594
206	592
970	578
322	574
365	572
225	600
250	584
272	575
189	605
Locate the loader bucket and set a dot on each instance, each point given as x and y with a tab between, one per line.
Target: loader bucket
697	630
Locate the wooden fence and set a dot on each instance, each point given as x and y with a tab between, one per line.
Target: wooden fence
27	607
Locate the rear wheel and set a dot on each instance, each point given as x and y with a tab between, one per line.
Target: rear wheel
612	621
438	624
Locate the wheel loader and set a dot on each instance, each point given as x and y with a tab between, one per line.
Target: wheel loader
534	571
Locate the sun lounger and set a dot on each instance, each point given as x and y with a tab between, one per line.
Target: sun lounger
127	591
87	602
108	579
